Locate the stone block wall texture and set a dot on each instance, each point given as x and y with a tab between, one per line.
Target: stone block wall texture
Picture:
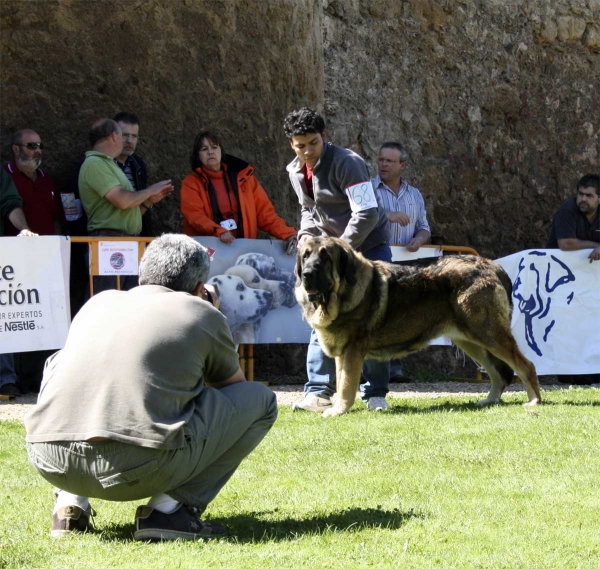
497	102
234	66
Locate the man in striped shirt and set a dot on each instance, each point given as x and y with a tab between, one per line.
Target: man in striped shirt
403	204
405	210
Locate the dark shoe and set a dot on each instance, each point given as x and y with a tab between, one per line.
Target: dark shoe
10	389
400	379
71	518
183	523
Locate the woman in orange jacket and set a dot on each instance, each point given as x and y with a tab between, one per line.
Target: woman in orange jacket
222	198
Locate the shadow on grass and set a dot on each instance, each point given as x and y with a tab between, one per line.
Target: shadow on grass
468	406
244	528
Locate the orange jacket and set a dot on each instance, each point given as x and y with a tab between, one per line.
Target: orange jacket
255	207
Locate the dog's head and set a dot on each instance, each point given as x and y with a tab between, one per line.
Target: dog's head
264	264
266	267
240	304
323	266
252	279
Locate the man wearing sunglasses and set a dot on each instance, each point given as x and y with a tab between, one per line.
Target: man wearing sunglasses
41	202
43	211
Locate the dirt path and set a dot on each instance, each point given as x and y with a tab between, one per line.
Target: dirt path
287	394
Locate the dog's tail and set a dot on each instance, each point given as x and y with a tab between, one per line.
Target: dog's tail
506	283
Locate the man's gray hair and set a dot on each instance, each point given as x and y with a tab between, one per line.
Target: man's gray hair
397	146
176	262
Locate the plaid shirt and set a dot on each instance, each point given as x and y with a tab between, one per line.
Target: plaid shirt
409	201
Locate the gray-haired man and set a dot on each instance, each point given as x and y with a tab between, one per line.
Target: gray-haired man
128	420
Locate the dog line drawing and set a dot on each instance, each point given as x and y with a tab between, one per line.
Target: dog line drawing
554	274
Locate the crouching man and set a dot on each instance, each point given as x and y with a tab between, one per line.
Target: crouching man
147	399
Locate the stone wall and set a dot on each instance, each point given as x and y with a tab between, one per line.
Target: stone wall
497	101
234	66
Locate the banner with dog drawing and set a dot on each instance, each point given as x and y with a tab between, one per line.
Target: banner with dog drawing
34	293
255	282
556	314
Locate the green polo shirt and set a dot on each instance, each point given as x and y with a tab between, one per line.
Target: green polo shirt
98	175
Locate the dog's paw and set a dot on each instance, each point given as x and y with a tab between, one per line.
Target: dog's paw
334	411
487	402
532	402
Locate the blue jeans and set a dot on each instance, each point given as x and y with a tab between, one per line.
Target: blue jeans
7	369
320	368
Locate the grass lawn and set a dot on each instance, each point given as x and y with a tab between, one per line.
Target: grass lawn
433	483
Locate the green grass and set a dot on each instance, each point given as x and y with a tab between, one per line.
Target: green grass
434	483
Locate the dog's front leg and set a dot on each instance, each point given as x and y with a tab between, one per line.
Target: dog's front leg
348	367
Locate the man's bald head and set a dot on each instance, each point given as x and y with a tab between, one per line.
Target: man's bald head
102	129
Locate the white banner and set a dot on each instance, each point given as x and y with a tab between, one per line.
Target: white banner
34	293
255	280
556	315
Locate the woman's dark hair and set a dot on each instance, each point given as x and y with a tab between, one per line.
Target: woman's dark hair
195	161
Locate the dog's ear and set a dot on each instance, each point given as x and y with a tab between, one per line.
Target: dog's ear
347	266
298	268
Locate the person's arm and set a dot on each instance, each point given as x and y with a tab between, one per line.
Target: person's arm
354	177
196	211
17	218
266	216
574	244
421	237
123	199
237	377
398	217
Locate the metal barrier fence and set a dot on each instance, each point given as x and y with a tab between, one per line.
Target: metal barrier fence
245	351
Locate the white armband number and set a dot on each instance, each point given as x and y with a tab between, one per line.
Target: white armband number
361	196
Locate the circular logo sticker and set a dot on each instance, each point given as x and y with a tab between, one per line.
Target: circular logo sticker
117	261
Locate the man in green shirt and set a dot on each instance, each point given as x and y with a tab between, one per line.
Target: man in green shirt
110	202
112	206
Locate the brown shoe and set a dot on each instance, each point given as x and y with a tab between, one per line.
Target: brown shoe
10	389
183	523
71	518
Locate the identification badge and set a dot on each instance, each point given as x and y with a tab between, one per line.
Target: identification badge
228	224
71	206
361	196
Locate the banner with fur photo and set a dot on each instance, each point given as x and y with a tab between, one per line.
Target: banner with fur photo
255	282
556	314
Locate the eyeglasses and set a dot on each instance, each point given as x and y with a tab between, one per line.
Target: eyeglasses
33	145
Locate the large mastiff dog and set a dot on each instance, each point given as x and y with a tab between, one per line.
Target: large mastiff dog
363	309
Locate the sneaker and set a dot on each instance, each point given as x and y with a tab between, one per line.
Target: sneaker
183	523
71	518
312	403
10	389
377	404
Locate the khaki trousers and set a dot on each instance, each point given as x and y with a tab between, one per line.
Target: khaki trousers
227	426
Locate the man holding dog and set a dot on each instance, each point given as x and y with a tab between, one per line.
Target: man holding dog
337	199
167	414
405	210
576	224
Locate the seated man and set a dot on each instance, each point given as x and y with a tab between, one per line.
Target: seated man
576	224
167	413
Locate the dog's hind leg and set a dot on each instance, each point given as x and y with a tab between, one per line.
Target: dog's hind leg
506	349
348	367
500	374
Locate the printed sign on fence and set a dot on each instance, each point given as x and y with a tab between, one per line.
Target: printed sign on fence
34	293
118	258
